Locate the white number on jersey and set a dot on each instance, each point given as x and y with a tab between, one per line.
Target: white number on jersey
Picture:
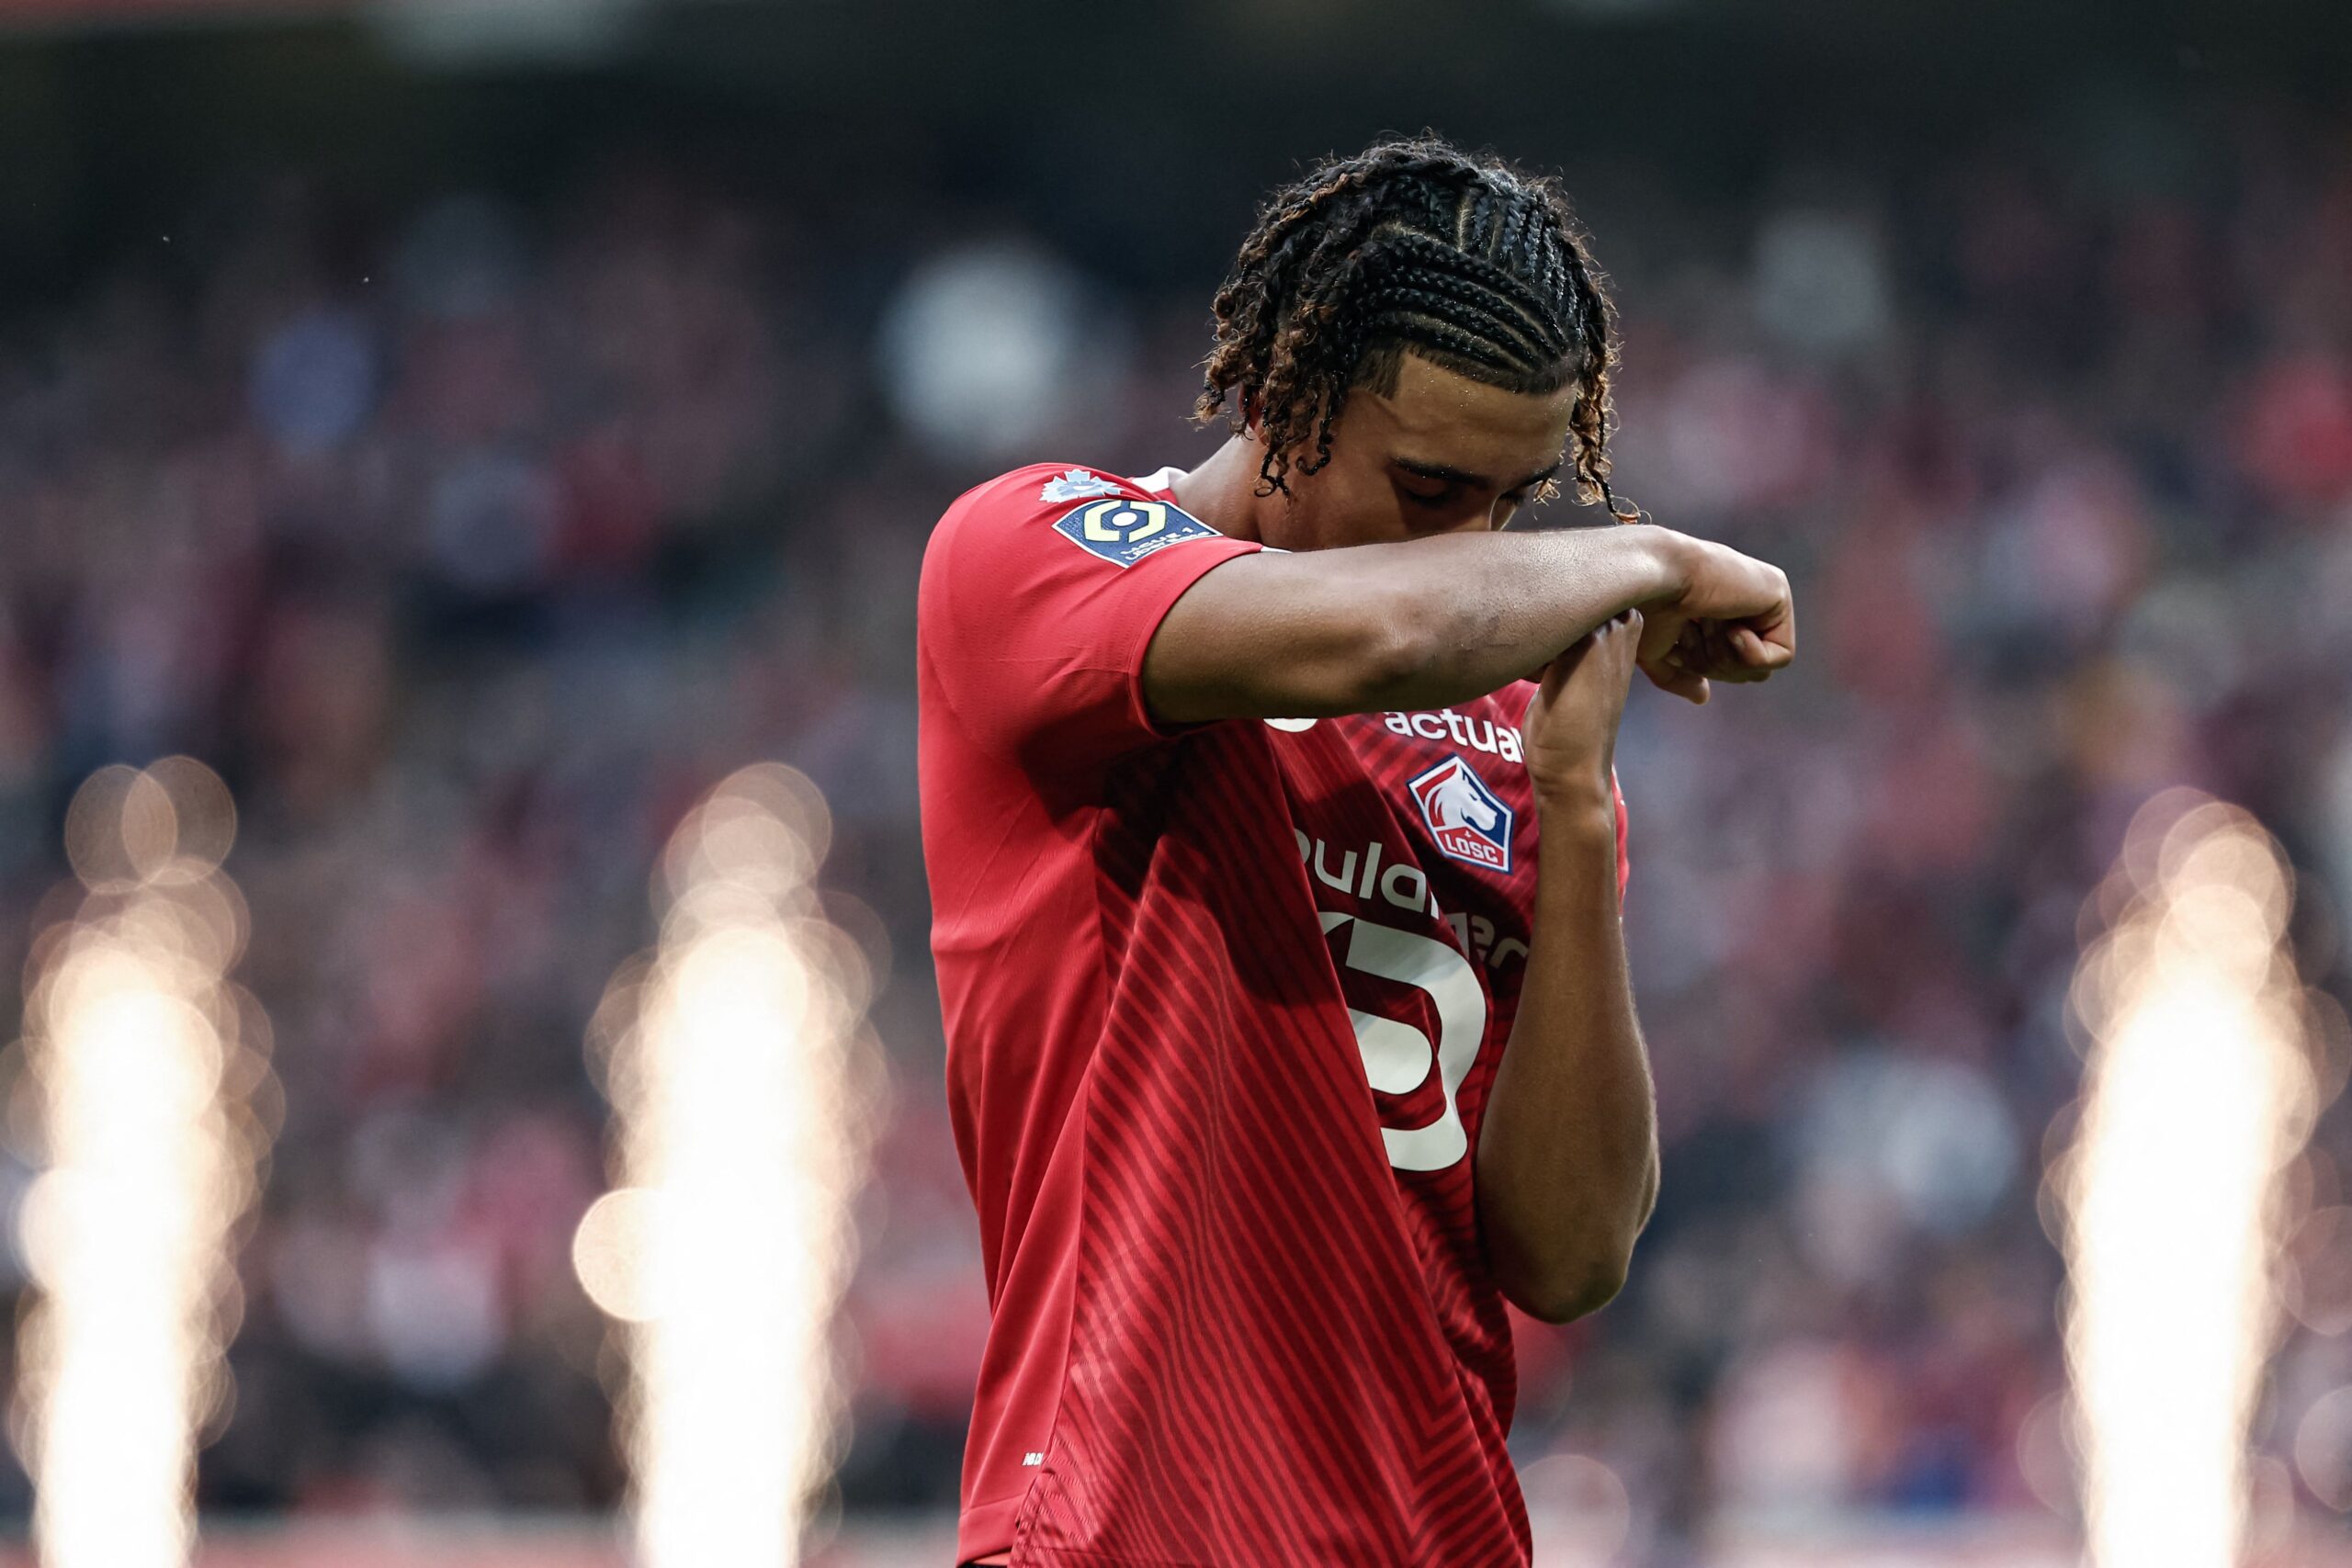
1397	1056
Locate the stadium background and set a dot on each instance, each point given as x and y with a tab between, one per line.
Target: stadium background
475	428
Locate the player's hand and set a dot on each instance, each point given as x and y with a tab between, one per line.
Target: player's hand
1733	621
1571	722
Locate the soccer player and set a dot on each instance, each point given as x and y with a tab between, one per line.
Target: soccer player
1276	915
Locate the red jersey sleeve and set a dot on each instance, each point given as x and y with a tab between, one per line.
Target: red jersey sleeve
1041	591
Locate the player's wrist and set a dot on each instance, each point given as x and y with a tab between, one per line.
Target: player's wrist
1671	563
1574	804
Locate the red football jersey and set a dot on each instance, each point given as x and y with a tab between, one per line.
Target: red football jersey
1223	1006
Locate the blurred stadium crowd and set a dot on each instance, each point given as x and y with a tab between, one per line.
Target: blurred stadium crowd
469	540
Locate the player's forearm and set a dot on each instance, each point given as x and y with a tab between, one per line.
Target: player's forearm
1481	610
1567	1156
1412	624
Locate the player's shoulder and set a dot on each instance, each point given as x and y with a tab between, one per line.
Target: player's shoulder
1115	519
1039	489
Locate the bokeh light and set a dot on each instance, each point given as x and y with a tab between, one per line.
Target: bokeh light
607	1253
742	1094
2199	1093
141	1062
2324	1448
1578	1509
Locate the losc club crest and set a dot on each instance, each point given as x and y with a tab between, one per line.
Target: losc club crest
1468	820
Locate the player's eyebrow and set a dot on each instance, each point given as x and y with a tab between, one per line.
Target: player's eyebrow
1462	476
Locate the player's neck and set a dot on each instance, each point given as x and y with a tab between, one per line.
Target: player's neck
1222	491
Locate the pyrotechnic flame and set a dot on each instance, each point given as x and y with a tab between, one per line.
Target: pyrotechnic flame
140	1059
742	1090
2197	1093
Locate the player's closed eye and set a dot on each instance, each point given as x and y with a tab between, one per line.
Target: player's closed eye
1444	496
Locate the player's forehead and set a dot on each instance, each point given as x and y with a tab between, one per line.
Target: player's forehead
1437	416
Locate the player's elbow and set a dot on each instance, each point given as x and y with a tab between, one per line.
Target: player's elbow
1574	1294
1398	651
1576	1285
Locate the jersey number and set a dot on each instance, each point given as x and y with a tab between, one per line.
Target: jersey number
1397	1056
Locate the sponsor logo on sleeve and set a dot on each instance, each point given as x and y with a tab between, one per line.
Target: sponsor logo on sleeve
1077	484
1124	531
1468	821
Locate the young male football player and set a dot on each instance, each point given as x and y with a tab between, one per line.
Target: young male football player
1276	915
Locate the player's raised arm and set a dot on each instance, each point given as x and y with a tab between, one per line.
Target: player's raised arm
1567	1153
1429	622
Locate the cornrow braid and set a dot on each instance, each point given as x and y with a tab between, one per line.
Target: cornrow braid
1411	246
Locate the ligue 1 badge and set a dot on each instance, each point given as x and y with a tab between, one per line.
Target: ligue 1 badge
1124	532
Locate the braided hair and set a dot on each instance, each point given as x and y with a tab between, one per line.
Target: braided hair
1410	246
